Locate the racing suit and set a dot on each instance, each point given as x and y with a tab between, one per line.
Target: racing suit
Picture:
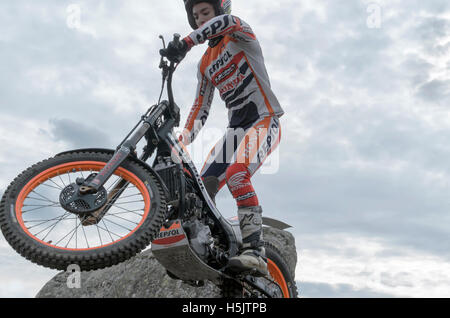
235	66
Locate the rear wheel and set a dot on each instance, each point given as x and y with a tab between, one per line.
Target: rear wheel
279	271
36	225
279	274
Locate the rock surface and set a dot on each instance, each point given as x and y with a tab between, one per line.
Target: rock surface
143	277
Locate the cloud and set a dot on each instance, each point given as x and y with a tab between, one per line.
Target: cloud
323	290
31	279
435	91
338	265
77	135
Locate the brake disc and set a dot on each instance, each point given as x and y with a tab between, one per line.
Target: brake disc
72	200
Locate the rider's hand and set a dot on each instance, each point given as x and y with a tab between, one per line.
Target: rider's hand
175	51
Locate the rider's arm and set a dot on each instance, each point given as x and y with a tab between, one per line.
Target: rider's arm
221	25
200	110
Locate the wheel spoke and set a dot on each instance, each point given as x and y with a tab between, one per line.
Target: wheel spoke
74	232
85	237
122	208
119	236
45	206
99	236
51	180
112	240
45	221
52	226
61	180
128	196
113	184
46	200
129	202
42	196
131	211
117	224
50	186
123	218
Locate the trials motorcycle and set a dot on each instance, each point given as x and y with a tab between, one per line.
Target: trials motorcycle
99	207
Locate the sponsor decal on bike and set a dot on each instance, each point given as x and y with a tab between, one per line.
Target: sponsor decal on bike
168	233
171	235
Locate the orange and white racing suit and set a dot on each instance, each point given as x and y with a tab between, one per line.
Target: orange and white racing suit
235	66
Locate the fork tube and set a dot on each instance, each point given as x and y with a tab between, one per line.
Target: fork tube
119	156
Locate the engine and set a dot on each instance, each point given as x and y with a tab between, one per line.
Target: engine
200	238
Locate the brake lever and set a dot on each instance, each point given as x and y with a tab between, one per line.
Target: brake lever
162	63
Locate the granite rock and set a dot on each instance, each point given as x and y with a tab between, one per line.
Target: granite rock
143	277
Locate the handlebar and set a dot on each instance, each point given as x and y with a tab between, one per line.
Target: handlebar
168	70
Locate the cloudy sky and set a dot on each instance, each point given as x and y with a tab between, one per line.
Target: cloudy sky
364	160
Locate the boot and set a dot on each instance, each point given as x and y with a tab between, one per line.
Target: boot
252	256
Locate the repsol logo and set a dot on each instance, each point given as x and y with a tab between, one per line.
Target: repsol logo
169	233
225	74
217	27
220	62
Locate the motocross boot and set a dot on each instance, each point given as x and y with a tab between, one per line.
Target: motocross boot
252	256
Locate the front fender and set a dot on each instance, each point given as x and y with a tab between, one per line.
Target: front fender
85	150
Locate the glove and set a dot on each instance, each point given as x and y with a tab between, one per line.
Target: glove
175	51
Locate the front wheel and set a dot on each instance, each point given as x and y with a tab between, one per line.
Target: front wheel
36	225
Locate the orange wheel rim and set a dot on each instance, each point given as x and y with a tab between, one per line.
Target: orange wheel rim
80	166
277	275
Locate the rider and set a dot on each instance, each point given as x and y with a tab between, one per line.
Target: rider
234	64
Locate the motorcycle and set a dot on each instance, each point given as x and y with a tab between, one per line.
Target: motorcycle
99	207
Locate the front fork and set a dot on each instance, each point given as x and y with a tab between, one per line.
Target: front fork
95	184
118	158
125	149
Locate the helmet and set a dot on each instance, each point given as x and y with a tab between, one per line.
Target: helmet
220	6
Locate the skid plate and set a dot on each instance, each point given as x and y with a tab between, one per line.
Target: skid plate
171	248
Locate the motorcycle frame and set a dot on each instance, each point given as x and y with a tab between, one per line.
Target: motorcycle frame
156	125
